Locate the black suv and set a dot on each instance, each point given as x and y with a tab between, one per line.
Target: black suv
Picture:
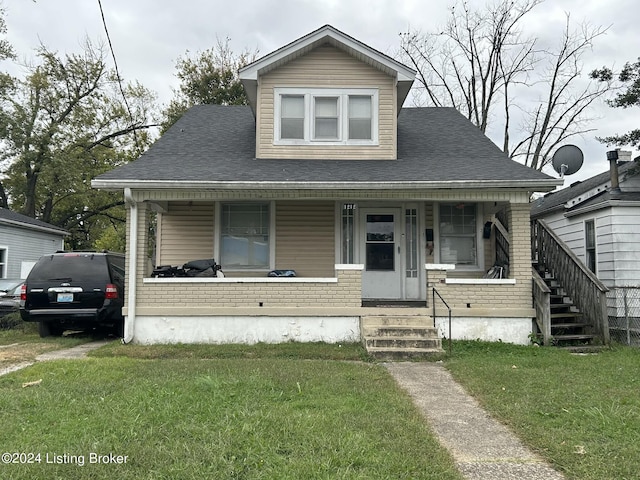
75	290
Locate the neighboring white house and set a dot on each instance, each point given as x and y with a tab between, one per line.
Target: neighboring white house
23	240
599	220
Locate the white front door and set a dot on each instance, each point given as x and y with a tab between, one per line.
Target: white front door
381	252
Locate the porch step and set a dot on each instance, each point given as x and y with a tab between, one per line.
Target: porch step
398	354
403	331
397	320
400	337
568	325
404	342
574	338
566	315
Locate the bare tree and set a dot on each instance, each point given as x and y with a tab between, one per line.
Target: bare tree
563	112
482	60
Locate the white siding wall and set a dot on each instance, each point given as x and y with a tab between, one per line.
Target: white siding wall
25	245
621	267
617	242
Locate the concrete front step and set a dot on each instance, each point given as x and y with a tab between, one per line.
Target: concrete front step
391	354
399	331
395	336
397	320
403	342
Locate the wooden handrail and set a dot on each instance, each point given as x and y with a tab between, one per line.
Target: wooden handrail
587	292
542	304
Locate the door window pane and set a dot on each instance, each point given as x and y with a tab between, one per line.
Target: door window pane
245	236
380	256
380	248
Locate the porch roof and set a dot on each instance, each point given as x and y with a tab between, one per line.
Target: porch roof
213	146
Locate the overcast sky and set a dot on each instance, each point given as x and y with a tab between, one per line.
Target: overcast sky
149	35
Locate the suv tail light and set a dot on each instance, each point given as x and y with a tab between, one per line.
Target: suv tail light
23	292
110	292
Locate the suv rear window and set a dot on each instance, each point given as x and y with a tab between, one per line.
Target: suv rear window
71	267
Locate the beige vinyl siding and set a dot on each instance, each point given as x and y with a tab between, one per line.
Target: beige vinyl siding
305	239
185	233
327	67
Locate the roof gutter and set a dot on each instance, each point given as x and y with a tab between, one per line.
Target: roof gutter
531	185
31	226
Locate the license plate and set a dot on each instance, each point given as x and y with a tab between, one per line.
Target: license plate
65	297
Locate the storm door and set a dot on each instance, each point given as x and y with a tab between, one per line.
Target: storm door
381	252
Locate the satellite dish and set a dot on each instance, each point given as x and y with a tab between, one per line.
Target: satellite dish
567	160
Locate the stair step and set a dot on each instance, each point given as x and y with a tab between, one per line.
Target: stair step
399	331
403	342
382	353
398	320
584	337
561	305
566	315
569	325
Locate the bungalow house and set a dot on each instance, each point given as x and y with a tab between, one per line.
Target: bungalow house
23	240
598	219
324	173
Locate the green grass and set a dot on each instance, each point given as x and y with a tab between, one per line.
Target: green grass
251	418
293	350
581	412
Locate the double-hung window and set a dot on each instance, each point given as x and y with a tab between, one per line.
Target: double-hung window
458	234
245	235
590	244
326	116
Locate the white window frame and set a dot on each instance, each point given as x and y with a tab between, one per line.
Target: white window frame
217	250
479	263
588	248
4	261
343	115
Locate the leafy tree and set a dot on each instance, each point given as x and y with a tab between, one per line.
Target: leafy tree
629	97
62	124
6	52
481	62
209	77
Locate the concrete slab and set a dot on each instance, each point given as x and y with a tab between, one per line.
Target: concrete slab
482	447
79	351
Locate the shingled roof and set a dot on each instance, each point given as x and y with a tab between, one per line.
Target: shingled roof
9	217
213	146
598	185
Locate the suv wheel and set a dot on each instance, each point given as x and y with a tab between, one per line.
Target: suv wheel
51	328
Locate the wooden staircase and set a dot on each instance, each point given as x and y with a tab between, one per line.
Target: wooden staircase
568	324
400	336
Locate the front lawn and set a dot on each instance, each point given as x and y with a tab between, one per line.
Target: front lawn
250	418
581	412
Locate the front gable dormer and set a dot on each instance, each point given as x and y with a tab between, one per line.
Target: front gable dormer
326	96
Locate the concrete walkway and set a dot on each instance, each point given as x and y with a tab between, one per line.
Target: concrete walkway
483	448
79	351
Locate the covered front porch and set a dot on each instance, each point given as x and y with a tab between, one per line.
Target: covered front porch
347	255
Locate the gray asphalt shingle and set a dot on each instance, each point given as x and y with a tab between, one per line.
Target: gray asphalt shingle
559	198
11	217
217	143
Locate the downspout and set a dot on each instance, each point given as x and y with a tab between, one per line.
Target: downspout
133	264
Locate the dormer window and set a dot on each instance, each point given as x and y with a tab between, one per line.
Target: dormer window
325	116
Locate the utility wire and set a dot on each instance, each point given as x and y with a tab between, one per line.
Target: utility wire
115	62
